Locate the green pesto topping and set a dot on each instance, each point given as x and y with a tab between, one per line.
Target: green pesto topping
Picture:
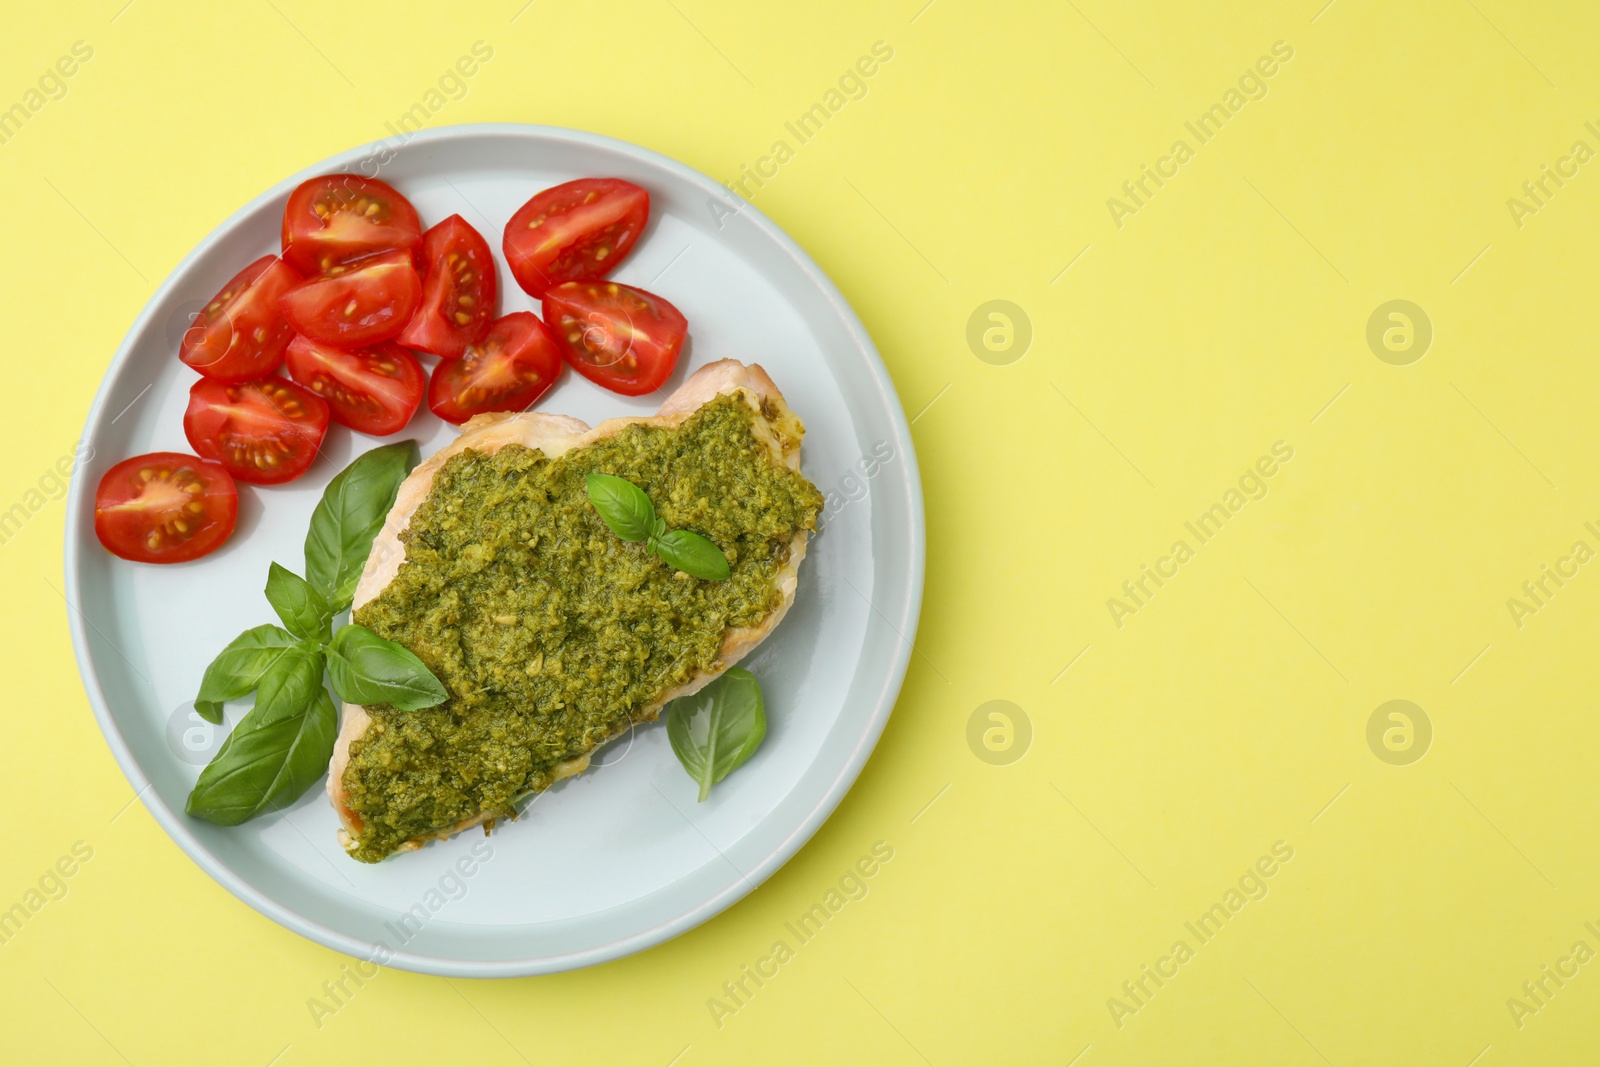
550	632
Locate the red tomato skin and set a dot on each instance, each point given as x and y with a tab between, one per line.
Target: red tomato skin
570	308
215	422
241	333
520	347
316	243
436	327
121	532
541	255
384	290
343	377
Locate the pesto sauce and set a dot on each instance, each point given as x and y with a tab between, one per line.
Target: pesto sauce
550	632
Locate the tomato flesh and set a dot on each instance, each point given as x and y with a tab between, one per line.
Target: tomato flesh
241	333
165	507
509	369
619	337
578	230
266	431
372	301
335	219
458	290
374	390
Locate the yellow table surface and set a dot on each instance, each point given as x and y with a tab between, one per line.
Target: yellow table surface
1434	887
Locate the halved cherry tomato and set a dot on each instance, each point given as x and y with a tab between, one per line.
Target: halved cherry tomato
165	507
508	370
372	301
458	290
619	337
241	333
265	432
374	390
578	230
338	218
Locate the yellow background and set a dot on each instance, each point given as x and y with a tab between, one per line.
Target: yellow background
1228	714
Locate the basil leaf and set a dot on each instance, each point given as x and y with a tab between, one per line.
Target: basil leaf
264	765
349	516
735	723
623	506
366	669
238	668
303	610
288	685
692	554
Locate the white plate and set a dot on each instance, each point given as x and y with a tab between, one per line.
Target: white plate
619	858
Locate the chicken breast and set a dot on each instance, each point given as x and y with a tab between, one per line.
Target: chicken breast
772	424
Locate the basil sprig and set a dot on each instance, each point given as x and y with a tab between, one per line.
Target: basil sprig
282	745
626	509
735	723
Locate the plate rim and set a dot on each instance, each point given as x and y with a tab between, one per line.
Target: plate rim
175	824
